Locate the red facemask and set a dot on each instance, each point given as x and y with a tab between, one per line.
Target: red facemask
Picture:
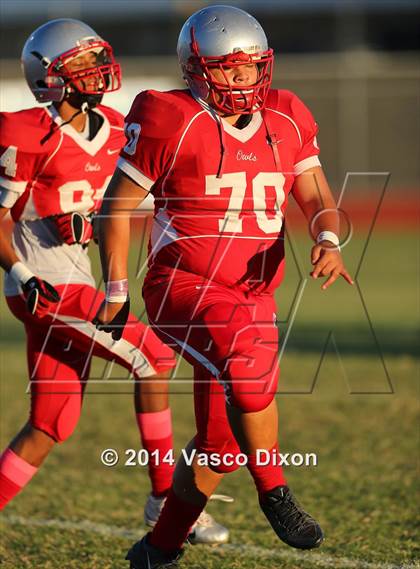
106	72
228	98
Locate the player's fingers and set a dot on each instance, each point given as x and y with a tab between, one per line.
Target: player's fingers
327	269
315	253
319	268
332	278
50	293
315	273
346	276
117	333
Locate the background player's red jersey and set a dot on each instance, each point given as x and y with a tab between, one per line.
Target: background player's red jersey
226	228
56	170
46	170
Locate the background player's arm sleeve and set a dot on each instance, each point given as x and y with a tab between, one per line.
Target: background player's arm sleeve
18	163
9	195
307	156
151	127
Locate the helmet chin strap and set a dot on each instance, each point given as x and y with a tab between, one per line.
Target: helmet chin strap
84	108
80	100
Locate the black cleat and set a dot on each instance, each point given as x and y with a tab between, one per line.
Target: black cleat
145	556
292	524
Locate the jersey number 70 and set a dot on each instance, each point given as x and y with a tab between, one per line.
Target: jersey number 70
231	222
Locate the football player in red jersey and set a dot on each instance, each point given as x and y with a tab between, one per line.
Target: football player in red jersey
221	159
55	163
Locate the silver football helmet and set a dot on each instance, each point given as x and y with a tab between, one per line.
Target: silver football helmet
52	46
222	37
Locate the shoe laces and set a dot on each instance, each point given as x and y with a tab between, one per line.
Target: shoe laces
294	517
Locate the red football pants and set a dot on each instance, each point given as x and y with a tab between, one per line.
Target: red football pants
225	333
59	351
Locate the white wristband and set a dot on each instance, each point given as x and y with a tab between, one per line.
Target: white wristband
116	291
329	236
118	299
20	273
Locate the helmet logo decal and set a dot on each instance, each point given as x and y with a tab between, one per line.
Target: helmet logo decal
250	49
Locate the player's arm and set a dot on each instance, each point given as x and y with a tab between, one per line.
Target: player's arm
151	127
312	193
19	162
8	256
122	196
40	296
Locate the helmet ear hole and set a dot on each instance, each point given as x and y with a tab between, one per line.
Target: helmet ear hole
45	62
54	81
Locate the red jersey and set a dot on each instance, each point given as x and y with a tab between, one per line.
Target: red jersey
218	218
46	170
55	170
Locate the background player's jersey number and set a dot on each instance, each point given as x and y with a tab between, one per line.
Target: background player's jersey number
231	222
80	196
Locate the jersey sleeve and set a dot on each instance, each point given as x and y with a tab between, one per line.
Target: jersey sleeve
19	161
307	157
152	129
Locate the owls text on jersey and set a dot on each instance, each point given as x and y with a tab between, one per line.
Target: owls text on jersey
46	170
220	192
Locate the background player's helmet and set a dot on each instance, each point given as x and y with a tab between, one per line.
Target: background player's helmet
45	59
220	37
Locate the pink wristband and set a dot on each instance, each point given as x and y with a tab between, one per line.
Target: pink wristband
116	291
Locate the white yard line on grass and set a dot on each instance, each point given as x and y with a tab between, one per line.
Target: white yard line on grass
315	558
83	525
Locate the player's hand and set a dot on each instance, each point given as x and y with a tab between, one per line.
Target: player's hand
112	317
39	296
74	228
327	261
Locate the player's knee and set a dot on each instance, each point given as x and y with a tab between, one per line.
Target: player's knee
226	465
58	423
250	379
250	402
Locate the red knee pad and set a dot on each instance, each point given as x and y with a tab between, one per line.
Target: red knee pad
248	362
249	402
57	415
251	377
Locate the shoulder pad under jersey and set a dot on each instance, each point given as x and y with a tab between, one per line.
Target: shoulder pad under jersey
160	114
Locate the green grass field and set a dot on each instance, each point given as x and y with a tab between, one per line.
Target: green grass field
355	407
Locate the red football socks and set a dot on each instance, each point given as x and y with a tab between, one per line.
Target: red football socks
174	523
15	473
266	476
156	437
